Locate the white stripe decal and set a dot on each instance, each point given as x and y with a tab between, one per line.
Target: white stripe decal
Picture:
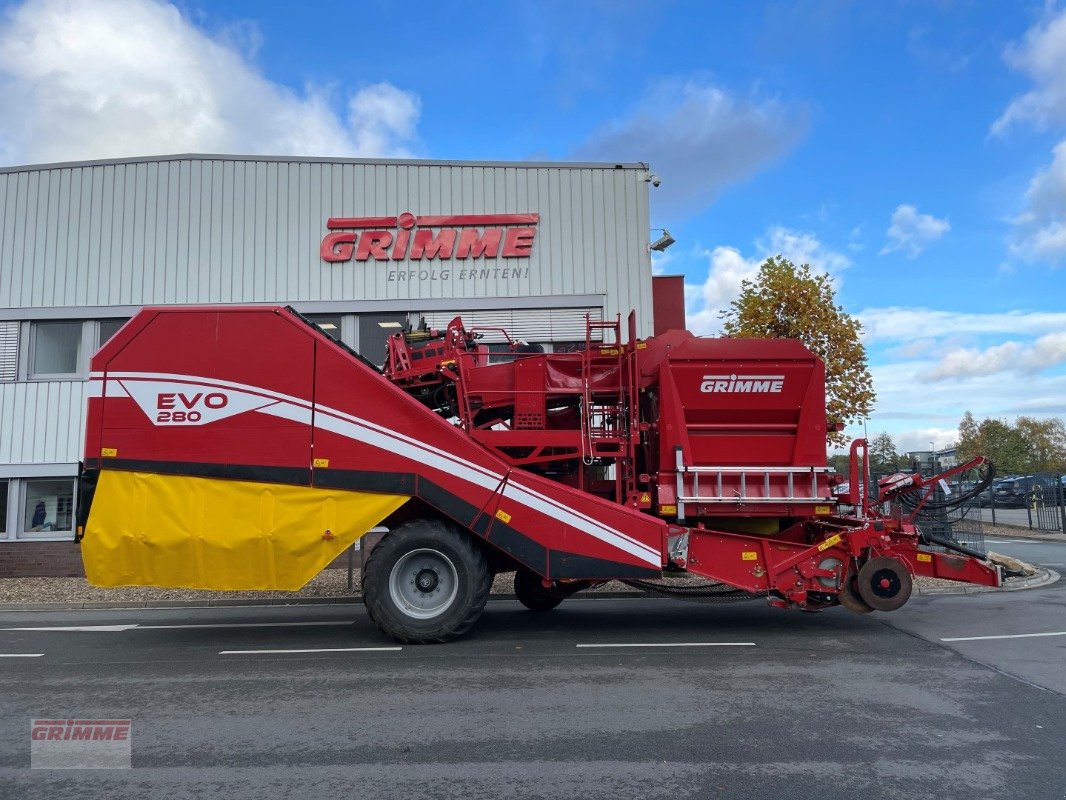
298	410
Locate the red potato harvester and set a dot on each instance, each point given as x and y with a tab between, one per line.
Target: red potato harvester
242	448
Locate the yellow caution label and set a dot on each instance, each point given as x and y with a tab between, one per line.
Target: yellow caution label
503	516
823	509
645	498
749	555
108	452
642	345
832	540
320	462
667	509
924	557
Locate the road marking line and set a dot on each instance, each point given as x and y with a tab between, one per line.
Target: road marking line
1006	636
673	644
121	628
21	655
1053	564
318	650
76	628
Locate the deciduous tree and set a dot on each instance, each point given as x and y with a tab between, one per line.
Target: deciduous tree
789	302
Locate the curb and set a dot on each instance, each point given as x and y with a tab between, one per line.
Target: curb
1043	577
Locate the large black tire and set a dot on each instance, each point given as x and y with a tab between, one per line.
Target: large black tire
425	582
531	592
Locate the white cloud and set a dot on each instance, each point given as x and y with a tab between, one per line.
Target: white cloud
909	324
698	138
115	78
918	439
1010	356
1039	233
727	268
1040	230
912	232
1042	54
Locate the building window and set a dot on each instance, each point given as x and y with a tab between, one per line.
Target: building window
3	509
9	350
330	323
374	330
56	348
107	329
49	505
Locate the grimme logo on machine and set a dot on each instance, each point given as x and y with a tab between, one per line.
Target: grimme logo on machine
424	238
742	384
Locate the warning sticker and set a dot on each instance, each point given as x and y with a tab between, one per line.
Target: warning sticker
503	516
749	555
924	557
832	540
320	463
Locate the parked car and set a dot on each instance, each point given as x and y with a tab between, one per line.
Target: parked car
1017	492
985	498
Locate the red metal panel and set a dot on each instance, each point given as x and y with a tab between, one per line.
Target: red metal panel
668	303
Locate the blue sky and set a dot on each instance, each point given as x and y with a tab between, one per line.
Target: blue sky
907	148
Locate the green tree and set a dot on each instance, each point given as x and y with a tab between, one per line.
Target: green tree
968	444
1045	441
1003	445
883	455
789	302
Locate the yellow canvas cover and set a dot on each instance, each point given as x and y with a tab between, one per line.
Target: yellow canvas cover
146	529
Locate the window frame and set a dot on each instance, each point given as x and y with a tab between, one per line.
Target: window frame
6	530
89	334
20	531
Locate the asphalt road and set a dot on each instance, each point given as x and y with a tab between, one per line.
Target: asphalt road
737	701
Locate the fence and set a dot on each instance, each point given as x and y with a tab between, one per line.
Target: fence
1039	505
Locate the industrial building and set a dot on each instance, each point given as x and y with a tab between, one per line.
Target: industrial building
362	247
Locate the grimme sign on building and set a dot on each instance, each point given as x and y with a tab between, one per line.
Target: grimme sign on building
439	239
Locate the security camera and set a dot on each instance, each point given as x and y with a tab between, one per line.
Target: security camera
664	241
654	179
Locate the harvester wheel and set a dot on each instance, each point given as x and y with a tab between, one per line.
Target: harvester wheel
425	582
531	592
850	599
884	583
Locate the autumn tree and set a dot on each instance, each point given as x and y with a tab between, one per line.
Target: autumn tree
789	302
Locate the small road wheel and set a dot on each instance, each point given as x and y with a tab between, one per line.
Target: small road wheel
850	599
425	582
531	592
884	583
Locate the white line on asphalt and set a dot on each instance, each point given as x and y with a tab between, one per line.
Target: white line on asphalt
21	655
120	628
75	628
318	650
673	644
1053	564
1007	636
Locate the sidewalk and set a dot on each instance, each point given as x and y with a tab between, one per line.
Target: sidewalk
1011	531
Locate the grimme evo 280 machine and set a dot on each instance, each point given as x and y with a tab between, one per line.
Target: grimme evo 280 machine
244	448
